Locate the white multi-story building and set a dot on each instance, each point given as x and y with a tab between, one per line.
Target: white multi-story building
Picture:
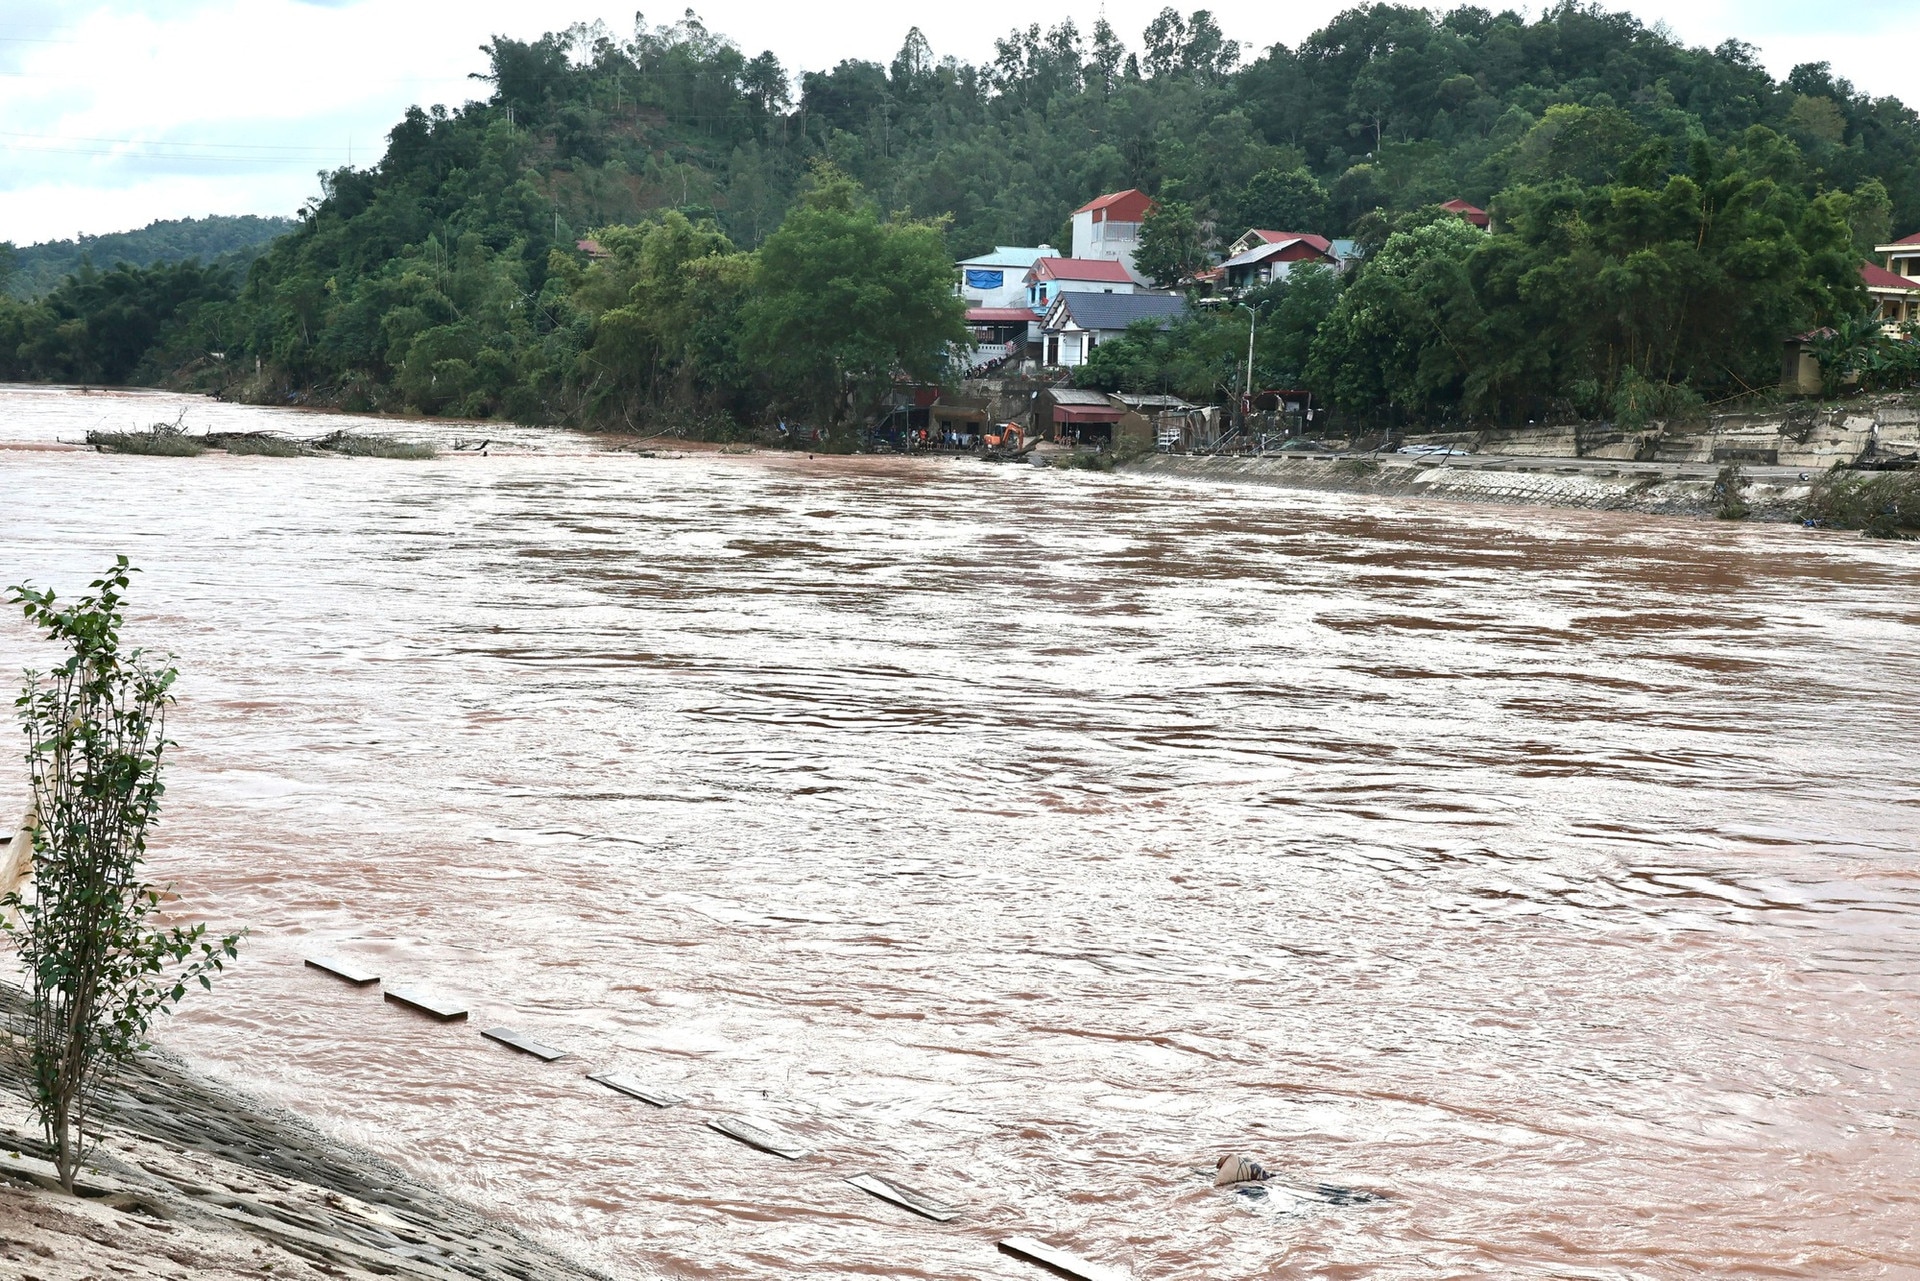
1109	227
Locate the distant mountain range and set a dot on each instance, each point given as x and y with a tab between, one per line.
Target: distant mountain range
229	240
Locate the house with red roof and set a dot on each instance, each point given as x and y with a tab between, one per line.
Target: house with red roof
1048	278
1472	213
1896	298
1255	237
1262	257
1109	227
1895	288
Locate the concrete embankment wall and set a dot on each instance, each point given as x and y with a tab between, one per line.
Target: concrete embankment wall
1804	435
1627	489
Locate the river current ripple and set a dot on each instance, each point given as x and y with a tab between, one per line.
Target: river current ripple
1035	838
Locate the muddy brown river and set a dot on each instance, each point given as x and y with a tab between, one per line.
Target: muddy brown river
1035	838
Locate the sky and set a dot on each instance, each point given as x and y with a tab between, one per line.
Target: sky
114	113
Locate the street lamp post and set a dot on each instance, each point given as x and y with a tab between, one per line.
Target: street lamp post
1246	399
1253	319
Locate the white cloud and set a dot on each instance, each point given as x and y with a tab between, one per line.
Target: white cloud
233	105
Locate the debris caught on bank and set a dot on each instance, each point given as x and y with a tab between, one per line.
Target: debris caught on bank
359	445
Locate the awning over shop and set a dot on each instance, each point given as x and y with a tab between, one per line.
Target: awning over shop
1000	316
1087	414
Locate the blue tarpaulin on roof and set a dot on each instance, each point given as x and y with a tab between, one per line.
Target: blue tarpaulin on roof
985	278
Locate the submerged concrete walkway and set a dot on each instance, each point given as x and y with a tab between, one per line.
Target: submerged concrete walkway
194	1180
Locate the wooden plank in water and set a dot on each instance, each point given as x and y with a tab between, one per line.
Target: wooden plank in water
346	970
905	1197
629	1086
760	1134
525	1044
432	1006
1059	1260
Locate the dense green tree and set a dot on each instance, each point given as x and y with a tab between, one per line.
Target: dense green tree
111	327
1401	334
665	308
1171	250
1204	356
843	299
1284	200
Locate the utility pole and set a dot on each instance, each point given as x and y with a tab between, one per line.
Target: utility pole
1253	319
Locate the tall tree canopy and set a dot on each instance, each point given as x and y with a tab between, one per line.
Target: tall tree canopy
845	299
445	276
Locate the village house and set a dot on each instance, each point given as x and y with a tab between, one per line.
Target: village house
1075	417
999	279
1048	278
1109	228
1078	322
1894	291
1092	419
1895	288
1472	213
1896	298
1262	257
994	287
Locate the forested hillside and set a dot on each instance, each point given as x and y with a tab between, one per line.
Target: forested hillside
227	241
1666	215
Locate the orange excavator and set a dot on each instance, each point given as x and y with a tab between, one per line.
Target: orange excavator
1006	436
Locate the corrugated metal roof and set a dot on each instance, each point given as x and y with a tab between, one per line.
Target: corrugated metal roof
1075	396
1878	277
1132	200
1275	237
1010	256
1101	270
1261	253
1117	311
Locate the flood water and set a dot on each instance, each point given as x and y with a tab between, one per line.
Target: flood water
1035	838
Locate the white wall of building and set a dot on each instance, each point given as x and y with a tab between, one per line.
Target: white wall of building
1054	288
1012	291
1114	241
